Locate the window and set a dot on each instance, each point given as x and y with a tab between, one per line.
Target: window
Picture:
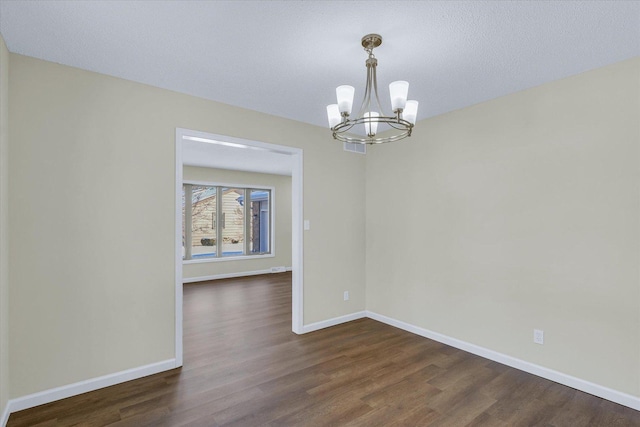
240	225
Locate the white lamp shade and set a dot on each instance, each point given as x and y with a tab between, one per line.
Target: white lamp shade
410	112
371	126
333	114
398	92
344	94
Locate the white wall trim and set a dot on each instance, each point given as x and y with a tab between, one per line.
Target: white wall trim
178	250
228	275
333	322
297	200
297	243
559	377
5	415
227	258
51	395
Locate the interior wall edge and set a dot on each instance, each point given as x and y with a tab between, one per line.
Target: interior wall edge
5	389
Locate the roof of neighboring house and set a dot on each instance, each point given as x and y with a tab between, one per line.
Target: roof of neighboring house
256	196
201	193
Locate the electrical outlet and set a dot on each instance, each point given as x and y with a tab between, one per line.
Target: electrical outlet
346	295
538	336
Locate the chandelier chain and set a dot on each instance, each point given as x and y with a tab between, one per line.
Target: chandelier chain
369	50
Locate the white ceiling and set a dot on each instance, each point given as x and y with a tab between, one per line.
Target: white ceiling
285	58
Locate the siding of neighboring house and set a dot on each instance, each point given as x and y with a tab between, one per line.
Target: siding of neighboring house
204	212
233	213
203	222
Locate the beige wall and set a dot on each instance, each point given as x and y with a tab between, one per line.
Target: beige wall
524	213
4	225
85	149
282	185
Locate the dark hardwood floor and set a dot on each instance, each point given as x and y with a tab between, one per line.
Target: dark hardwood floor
244	367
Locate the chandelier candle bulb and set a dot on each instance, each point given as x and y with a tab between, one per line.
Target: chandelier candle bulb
398	91
410	111
333	114
344	94
371	125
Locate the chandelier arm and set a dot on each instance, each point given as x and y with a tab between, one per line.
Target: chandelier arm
366	100
375	87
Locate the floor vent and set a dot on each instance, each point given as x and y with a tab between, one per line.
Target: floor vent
355	148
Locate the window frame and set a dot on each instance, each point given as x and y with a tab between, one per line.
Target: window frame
247	189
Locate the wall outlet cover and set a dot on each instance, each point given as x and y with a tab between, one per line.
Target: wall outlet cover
538	336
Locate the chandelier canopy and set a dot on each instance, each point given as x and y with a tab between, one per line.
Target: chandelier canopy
400	124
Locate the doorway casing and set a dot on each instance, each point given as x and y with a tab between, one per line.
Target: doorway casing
297	319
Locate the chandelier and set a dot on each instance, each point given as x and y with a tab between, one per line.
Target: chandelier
400	124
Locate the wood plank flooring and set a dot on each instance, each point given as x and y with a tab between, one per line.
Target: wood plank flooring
244	367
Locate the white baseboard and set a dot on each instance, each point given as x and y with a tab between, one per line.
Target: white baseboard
225	276
332	322
5	415
568	380
229	275
51	395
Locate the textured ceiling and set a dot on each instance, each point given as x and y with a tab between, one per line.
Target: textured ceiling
286	57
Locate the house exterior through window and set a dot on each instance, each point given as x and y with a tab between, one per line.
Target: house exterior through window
239	226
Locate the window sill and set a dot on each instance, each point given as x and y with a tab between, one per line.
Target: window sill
226	258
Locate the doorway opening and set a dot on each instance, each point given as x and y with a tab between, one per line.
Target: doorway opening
251	156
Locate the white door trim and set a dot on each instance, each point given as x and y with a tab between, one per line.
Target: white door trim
297	321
